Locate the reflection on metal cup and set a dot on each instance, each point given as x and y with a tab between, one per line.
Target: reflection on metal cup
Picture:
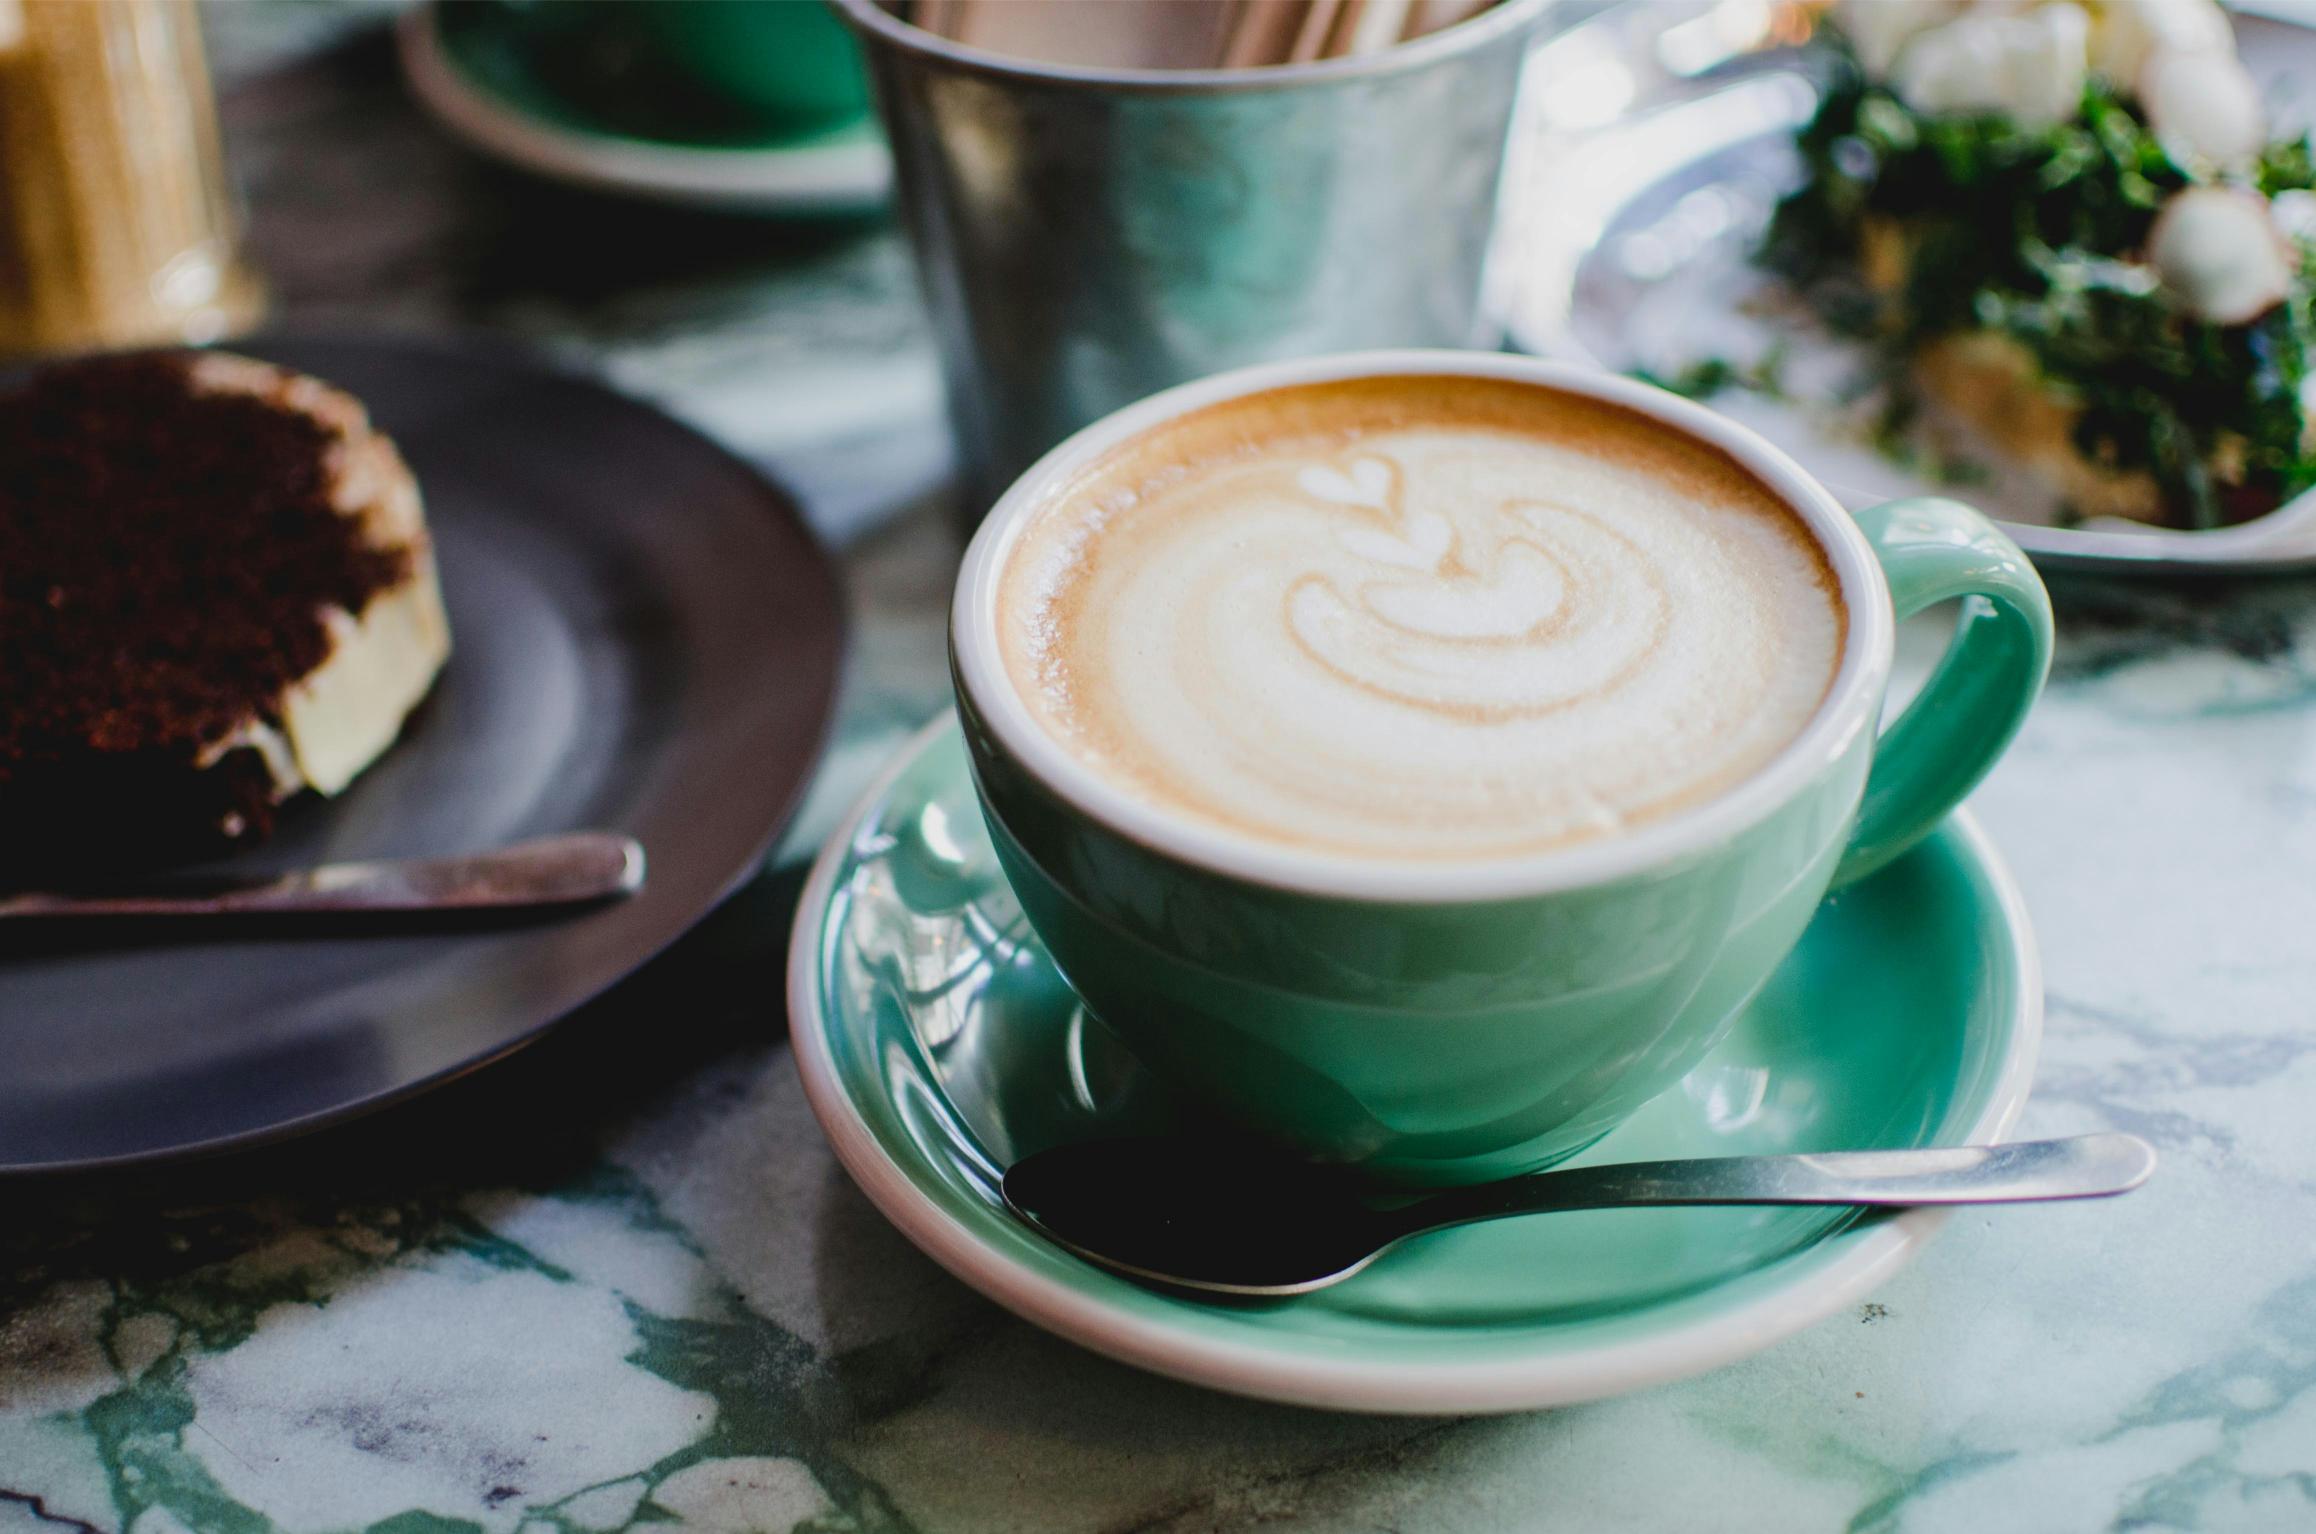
1089	236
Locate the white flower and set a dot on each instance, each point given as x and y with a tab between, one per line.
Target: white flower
2130	32
2204	106
2028	66
1879	30
2295	214
2218	250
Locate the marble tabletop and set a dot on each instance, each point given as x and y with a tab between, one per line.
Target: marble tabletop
618	1280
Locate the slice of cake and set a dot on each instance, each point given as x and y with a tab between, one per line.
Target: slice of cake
216	591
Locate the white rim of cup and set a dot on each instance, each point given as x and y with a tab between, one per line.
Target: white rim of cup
1850	703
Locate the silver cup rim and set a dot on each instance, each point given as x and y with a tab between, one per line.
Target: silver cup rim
1507	17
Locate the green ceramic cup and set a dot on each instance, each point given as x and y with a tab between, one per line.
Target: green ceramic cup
1441	1023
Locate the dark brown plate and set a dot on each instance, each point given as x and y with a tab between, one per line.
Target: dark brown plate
647	640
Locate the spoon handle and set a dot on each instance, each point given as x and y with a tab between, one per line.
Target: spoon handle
2087	1166
556	870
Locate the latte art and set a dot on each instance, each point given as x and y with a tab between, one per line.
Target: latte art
1420	618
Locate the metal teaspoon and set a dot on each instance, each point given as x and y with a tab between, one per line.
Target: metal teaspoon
1244	1220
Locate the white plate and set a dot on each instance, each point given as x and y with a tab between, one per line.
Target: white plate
1640	197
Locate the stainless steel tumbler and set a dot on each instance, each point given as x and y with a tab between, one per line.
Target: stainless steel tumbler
1088	236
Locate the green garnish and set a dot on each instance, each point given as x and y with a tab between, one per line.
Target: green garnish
2029	232
1708	376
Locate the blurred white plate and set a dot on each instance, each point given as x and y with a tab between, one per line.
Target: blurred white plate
1649	167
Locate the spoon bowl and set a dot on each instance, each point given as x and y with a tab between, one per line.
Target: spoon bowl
1222	1216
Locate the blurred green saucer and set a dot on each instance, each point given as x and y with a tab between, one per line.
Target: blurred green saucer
742	104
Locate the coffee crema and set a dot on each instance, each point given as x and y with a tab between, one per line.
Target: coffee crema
1419	618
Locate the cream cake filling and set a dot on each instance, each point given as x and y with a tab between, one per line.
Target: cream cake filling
340	717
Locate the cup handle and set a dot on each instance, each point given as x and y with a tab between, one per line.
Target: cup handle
1933	550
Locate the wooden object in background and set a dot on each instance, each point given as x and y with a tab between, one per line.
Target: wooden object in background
1260	32
1367	26
1311	38
1186	34
1425	17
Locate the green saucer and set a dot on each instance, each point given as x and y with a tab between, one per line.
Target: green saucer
526	85
937	1044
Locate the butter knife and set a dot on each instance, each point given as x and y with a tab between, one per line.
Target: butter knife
552	871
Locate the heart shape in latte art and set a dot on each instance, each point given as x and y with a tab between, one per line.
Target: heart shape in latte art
1368	482
1533	608
1416	543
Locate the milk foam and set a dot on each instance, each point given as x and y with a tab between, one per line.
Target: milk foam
1481	621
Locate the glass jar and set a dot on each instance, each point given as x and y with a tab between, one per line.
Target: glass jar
116	227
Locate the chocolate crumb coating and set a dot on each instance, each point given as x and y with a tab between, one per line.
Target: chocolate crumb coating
167	555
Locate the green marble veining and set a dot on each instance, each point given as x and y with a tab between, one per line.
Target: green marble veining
209	1281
